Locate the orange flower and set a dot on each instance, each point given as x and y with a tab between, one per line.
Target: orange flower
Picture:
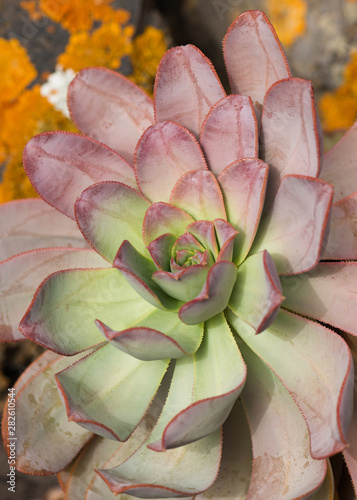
288	18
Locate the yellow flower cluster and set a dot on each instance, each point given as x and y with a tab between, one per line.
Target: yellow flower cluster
25	112
76	15
288	18
338	109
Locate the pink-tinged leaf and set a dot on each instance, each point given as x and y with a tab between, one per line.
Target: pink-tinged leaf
282	465
116	377
214	296
109	213
235	470
340	165
138	271
327	489
162	218
204	232
160	250
45	441
314	364
199	194
229	132
165	151
30	224
289	139
243	186
21	274
326	293
350	453
64	309
60	165
254	56
226	235
84	482
342	239
295	229
203	389
118	113
160	335
256	295
186	87
178	473
183	285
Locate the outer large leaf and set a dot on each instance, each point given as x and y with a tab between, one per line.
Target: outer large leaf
61	165
203	389
20	276
31	223
183	472
229	132
294	231
235	470
119	111
45	441
260	60
350	453
109	213
214	296
165	151
162	218
256	295
289	138
282	465
243	186
198	193
342	240
340	167
186	87
160	335
95	387
314	364
326	293
63	313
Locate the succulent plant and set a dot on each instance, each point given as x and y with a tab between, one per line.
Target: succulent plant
218	258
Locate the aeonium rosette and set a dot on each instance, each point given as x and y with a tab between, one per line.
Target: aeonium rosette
207	223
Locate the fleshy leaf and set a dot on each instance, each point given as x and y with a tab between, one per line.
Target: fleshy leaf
204	232
342	240
294	230
118	113
62	314
289	139
314	364
46	441
31	223
178	473
256	295
235	470
198	193
183	285
282	465
327	489
161	335
214	296
109	213
340	165
61	165
203	389
229	132
162	218
260	60
138	271
186	87
94	388
21	274
165	151
160	250
350	453
326	293
243	186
